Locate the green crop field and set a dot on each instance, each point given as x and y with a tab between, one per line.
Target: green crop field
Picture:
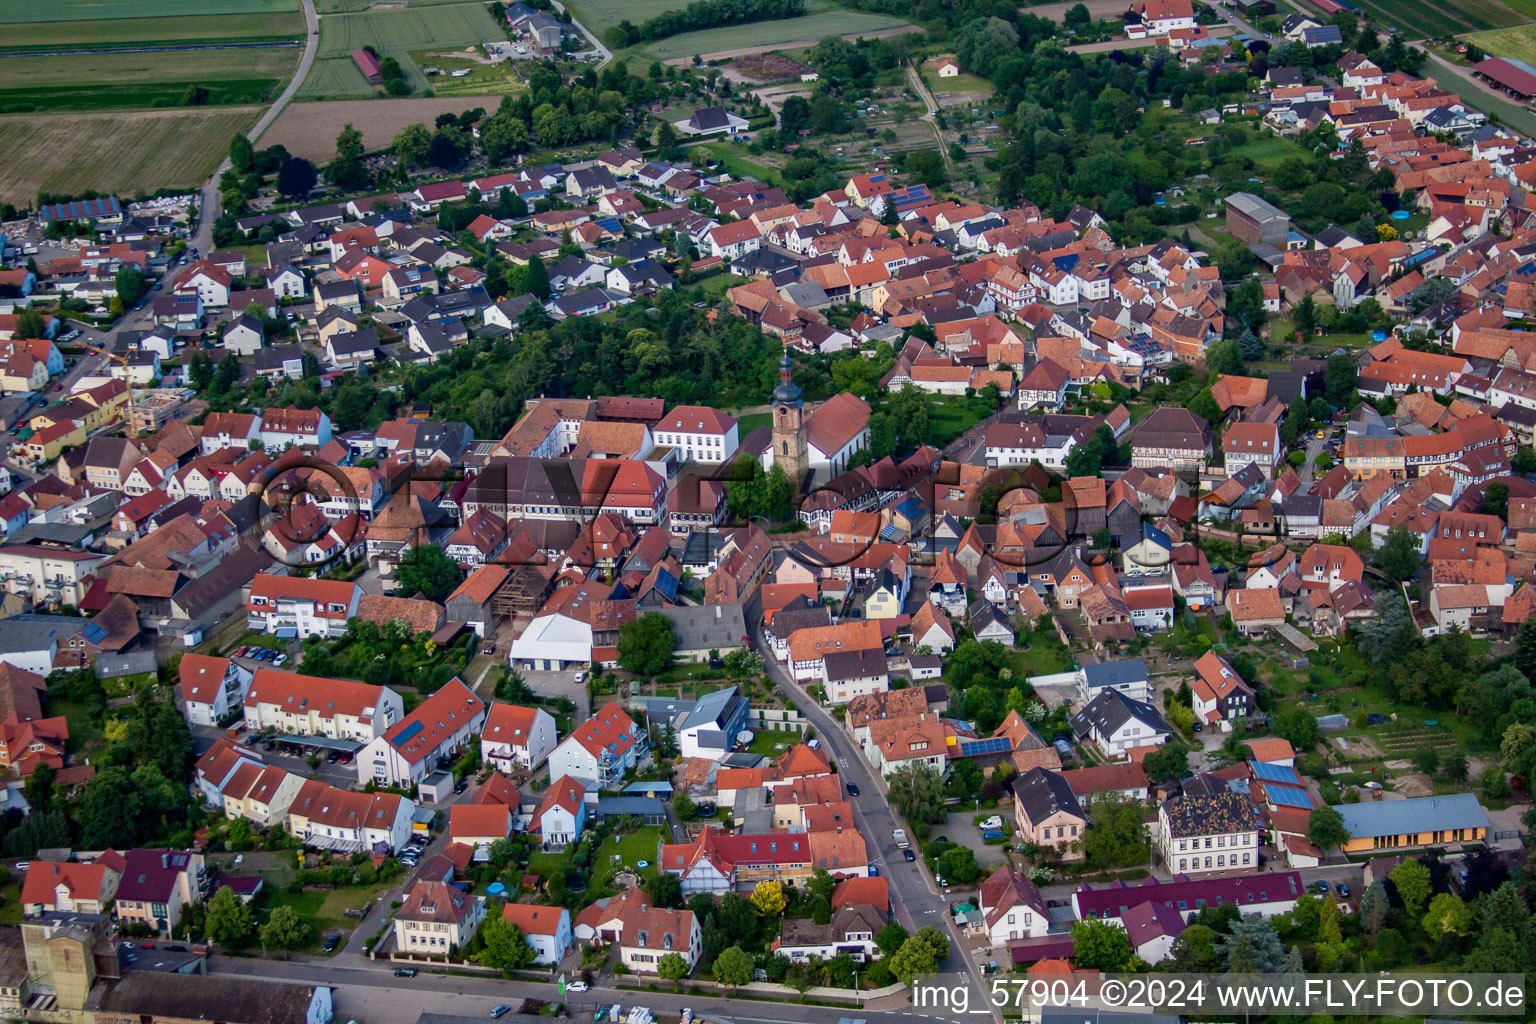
393	33
19	11
807	29
127	80
353	6
1519	43
43	35
601	15
1451	18
120	153
483	79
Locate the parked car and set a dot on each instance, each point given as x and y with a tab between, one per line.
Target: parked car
241	652
853	790
1343	889
908	855
874	872
580	678
280	659
461	786
993	833
576	986
1319	887
405	972
501	1010
331	942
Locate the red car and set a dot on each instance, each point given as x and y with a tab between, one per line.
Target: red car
241	652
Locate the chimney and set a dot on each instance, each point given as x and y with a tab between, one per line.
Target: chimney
165	860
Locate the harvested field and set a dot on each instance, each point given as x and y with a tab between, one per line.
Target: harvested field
769	67
105	10
121	153
310	129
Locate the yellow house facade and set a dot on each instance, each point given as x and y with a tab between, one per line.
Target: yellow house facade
1424	821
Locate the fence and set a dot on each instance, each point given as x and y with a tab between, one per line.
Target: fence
776	720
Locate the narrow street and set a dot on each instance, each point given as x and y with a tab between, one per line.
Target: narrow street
913	896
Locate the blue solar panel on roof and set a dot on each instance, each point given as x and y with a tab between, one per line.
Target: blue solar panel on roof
1275	773
995	745
410	732
1289	797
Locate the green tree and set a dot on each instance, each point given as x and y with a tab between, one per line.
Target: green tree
672	967
665	890
647	644
733	967
412	144
1115	836
501	135
129	283
242	155
425	569
1447	915
890	938
917	793
229	921
38	787
1524	461
1101	946
506	947
537	279
1373	908
1412	882
1339	376
1298	727
296	177
1204	405
346	170
1325	828
1496	499
915	957
1168	763
284	930
1399	556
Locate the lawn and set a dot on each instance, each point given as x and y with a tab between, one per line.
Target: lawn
642	845
963	82
949	416
84	729
1046	655
394	33
114	80
735	158
1271	150
824	20
251	27
751	421
483	79
770	743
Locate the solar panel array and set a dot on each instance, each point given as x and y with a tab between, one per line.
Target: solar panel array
995	745
1268	772
1289	797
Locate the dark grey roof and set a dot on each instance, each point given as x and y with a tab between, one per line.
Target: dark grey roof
1042	793
353	342
1110	710
855	664
154	995
707	627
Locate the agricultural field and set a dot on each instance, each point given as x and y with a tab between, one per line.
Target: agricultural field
600	15
353	6
249	27
144	79
117	152
1519	43
824	20
769	67
309	129
1452	18
104	10
393	33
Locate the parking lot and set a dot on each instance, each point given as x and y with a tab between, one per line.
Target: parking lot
961	829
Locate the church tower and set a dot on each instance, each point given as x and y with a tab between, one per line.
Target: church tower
789	449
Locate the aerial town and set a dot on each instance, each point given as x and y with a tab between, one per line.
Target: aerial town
595	553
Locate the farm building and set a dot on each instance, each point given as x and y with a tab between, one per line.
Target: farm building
1515	77
107	209
368	64
1252	221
